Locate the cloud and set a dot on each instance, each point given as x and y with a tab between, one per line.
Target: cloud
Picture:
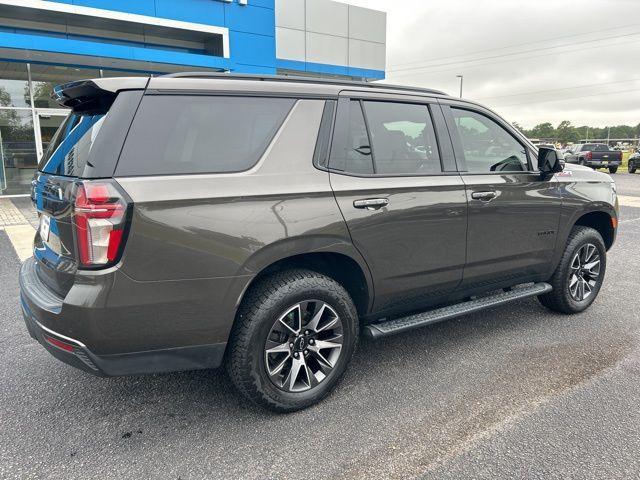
531	61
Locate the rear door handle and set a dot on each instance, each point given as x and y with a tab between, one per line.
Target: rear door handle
486	196
371	203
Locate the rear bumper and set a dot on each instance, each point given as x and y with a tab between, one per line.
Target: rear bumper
603	163
42	309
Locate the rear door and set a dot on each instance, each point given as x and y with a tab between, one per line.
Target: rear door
514	213
393	173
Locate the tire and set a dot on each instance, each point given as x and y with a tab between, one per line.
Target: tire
561	298
613	170
632	167
266	321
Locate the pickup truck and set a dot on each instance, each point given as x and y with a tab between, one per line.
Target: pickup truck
595	155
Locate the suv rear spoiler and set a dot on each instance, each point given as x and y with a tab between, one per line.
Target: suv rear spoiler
94	97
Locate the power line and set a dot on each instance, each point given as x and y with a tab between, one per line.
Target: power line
559	89
469	67
567	98
513	46
512	54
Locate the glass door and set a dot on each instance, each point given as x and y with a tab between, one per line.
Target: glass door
17	151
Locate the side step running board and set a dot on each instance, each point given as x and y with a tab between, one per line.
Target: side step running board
397	325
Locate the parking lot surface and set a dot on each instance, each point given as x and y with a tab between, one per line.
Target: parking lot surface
513	392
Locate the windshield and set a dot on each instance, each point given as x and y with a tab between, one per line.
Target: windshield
69	149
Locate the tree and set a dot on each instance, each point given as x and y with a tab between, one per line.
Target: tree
543	130
567	133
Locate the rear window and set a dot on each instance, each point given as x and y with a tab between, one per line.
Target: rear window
69	148
178	134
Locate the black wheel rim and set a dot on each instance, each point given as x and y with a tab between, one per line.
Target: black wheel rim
303	346
584	272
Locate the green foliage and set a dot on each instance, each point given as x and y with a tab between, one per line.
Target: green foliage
567	133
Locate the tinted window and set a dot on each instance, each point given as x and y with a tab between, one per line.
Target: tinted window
600	148
403	138
351	150
200	134
487	146
70	147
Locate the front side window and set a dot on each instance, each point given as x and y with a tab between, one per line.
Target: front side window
181	134
487	146
403	138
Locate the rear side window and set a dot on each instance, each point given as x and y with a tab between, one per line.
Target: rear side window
384	138
70	147
177	134
403	137
351	149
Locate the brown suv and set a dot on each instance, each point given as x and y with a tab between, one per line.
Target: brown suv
192	220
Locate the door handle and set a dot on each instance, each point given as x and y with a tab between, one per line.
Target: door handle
486	196
371	203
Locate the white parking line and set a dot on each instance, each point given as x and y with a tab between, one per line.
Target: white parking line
21	237
629	201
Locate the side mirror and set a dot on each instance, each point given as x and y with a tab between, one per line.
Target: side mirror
549	161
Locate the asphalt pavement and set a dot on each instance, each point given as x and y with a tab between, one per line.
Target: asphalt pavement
514	392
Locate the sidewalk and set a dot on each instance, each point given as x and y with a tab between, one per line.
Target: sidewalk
19	220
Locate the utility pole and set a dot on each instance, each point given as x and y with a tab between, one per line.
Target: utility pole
608	135
587	138
461	77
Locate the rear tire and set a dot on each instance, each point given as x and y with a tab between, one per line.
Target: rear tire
275	335
584	247
613	170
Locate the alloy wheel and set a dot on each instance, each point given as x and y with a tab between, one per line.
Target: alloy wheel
585	272
303	346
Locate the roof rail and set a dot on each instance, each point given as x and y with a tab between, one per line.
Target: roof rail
299	79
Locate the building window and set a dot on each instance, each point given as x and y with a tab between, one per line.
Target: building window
14	85
17	149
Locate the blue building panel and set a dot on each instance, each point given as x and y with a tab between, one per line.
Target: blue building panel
252	49
95	49
196	11
251	38
140	7
250	19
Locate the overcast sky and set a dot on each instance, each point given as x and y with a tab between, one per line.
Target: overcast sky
530	60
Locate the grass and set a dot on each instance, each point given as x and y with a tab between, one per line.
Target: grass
625	162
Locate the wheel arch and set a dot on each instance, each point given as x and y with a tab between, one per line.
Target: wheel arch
341	262
601	221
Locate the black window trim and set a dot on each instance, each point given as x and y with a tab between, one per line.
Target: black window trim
325	135
428	102
460	159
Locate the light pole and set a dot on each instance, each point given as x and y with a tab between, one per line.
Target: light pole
461	77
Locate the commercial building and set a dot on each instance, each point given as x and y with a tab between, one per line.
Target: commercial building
45	43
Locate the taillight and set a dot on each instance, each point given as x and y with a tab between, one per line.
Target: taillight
99	214
589	155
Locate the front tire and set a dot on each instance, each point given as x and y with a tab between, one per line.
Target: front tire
580	273
293	338
632	167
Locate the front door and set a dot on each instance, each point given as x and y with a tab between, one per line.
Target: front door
403	202
514	214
